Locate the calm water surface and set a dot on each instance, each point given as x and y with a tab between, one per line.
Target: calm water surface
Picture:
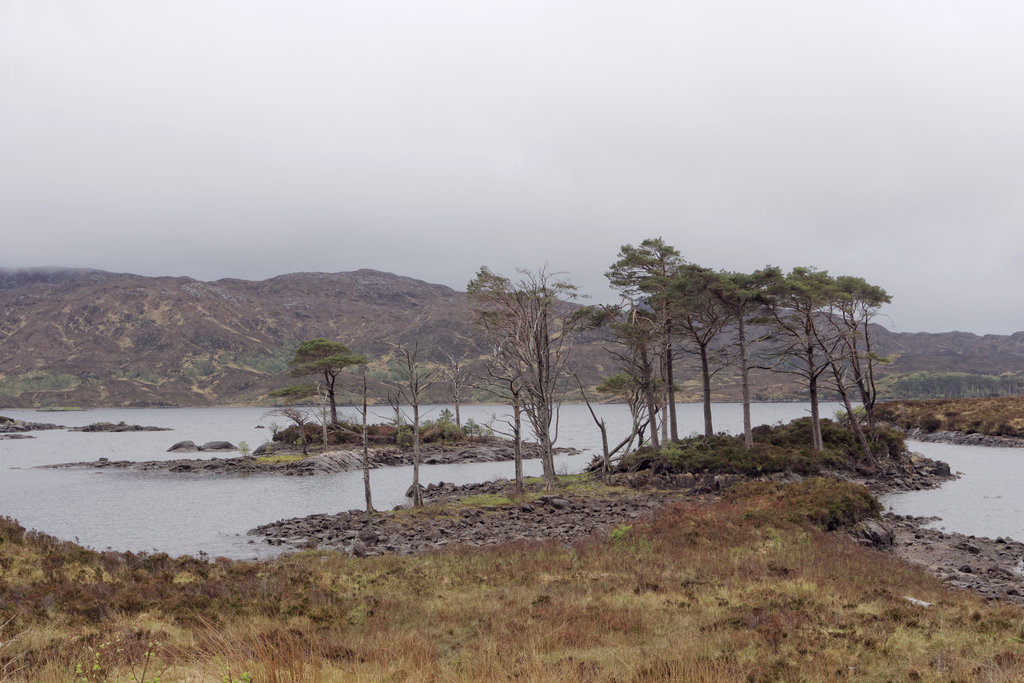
985	501
187	514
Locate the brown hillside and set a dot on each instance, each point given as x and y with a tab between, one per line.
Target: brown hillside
91	338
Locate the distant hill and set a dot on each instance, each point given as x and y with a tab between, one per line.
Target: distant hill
92	338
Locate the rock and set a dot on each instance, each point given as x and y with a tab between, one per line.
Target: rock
873	533
218	446
186	446
358	548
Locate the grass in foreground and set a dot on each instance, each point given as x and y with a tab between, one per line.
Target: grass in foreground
746	588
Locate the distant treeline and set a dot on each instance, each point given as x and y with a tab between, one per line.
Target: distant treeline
956	385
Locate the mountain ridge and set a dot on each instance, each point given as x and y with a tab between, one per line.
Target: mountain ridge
90	338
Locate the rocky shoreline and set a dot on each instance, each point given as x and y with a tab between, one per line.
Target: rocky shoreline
964	439
560	518
17	429
323	463
992	568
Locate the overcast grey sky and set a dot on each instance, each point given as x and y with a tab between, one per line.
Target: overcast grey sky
248	138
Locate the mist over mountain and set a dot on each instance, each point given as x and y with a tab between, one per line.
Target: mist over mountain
92	338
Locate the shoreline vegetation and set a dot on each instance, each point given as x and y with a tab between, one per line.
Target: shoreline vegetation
693	562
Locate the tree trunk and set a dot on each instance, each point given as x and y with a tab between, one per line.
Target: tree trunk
518	445
670	381
748	434
323	422
869	405
819	445
664	407
705	376
854	422
329	383
366	455
417	494
652	406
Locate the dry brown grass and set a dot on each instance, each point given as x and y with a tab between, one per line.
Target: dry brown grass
728	590
1001	416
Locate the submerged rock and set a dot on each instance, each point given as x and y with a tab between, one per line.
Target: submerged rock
218	446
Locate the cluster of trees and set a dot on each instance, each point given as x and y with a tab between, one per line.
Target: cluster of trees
803	322
956	385
808	323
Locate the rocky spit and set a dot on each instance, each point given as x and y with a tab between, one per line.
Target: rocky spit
322	463
561	518
964	439
17	429
118	427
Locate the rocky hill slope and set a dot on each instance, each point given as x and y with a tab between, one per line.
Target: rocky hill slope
93	338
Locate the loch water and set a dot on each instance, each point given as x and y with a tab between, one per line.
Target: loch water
158	511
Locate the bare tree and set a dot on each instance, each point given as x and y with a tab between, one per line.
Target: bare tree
415	379
508	386
625	387
456	373
636	334
300	417
531	323
366	448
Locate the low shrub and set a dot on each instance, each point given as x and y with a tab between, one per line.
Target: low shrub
777	448
827	503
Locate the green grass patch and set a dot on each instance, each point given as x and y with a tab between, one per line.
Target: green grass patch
279	459
486	499
37	382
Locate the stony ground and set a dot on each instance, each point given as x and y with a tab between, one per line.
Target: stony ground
561	517
965	439
993	568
